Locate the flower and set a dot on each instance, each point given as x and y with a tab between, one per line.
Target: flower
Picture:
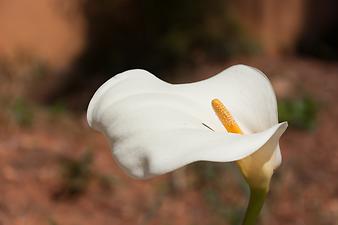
155	127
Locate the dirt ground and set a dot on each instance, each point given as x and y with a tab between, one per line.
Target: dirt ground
57	171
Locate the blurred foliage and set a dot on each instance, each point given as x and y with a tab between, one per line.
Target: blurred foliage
22	112
300	112
157	35
58	108
211	179
326	43
76	175
23	65
208	174
232	214
106	182
39	69
319	37
52	221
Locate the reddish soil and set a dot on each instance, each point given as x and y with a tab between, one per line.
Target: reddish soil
304	190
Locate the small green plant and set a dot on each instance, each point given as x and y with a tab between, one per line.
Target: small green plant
58	108
223	211
210	179
39	69
106	182
51	221
22	112
300	112
76	175
208	174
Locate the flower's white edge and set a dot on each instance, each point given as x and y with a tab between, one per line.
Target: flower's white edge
103	88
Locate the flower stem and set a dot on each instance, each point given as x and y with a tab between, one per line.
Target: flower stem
256	202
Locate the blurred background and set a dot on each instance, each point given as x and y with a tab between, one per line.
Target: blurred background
54	54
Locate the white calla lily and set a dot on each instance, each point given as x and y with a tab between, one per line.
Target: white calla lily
155	127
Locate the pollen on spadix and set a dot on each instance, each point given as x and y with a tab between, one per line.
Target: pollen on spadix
225	117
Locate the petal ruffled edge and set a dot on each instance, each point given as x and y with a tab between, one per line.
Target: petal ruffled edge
149	154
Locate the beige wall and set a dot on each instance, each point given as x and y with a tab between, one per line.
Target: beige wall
48	30
277	24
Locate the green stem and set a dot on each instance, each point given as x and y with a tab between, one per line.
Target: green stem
256	202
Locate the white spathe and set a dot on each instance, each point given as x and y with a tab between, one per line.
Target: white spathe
155	127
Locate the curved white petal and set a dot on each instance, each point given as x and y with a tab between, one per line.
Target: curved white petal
155	127
248	95
245	91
